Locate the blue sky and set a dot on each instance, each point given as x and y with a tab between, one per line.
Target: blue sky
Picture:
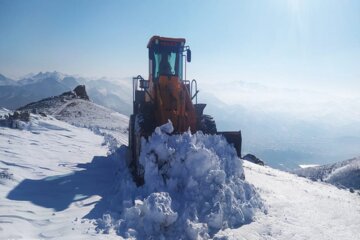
311	44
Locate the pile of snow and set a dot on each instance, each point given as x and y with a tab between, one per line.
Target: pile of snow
194	187
345	174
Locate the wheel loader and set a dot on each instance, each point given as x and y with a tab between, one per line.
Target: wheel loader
168	95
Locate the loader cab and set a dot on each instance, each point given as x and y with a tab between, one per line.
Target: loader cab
166	57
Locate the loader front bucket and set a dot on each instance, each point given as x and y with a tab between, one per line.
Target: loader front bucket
235	139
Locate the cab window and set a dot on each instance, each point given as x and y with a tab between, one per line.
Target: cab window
166	61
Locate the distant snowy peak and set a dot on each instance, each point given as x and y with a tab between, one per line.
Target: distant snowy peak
345	174
51	77
54	76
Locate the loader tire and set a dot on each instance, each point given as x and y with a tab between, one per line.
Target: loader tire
133	144
207	124
143	126
146	120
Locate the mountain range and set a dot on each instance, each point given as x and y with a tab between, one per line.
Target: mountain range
345	174
114	94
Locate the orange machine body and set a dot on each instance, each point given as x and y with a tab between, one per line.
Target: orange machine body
167	89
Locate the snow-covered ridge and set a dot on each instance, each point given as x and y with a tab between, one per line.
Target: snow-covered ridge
52	104
345	174
56	76
69	107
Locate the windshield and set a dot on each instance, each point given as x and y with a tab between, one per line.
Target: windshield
167	61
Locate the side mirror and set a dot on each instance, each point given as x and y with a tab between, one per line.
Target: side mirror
188	55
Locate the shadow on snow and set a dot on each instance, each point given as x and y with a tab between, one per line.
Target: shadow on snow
58	192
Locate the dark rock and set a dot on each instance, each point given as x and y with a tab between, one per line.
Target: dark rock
4	174
13	120
25	116
252	158
80	91
22	116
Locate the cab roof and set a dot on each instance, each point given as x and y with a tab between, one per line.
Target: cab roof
165	39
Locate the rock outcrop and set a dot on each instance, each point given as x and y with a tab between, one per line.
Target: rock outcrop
80	91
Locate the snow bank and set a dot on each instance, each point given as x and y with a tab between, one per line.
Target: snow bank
35	122
194	186
345	174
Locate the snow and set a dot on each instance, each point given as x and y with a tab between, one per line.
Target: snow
192	181
4	111
61	181
51	181
84	113
153	215
298	208
102	120
55	76
345	174
308	165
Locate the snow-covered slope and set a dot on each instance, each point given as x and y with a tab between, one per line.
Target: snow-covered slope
345	174
50	175
299	208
